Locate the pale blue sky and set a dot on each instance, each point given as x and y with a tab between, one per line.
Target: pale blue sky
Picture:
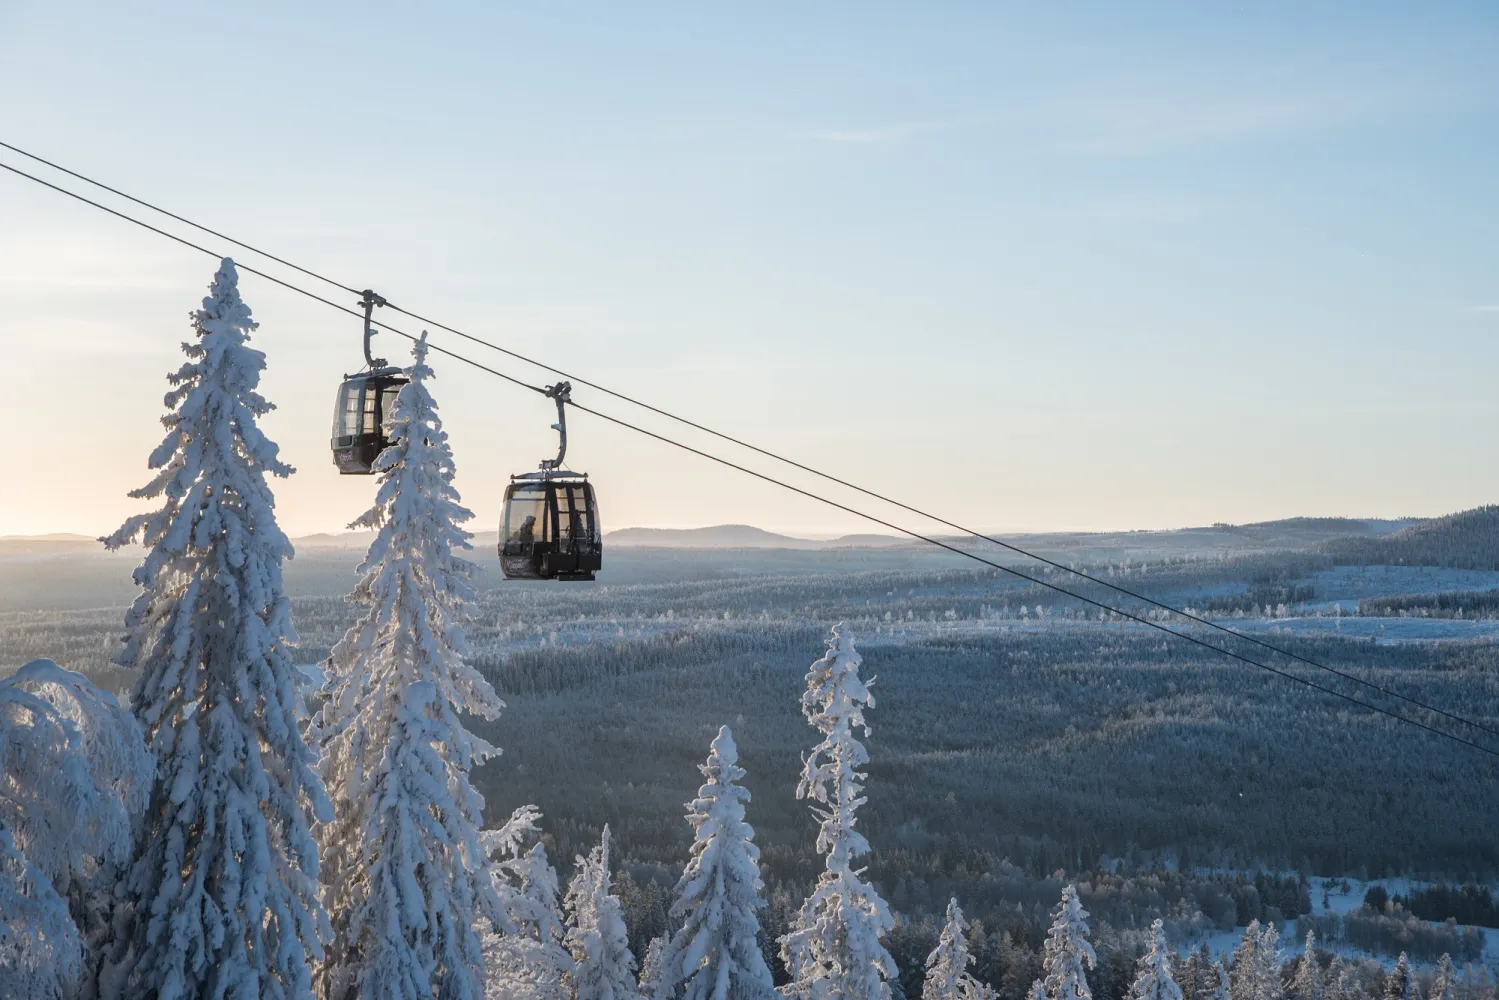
1035	266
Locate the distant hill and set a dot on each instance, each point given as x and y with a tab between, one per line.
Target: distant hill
742	536
1340	525
870	542
328	540
1468	539
56	536
55	544
720	536
359	541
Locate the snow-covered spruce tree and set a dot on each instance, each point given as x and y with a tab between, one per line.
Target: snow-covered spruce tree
1332	981
1197	976
715	953
1400	984
404	868
223	888
603	968
74	776
1307	984
833	950
947	975
1224	989
1067	955
1256	967
650	966
1153	980
525	958
1444	983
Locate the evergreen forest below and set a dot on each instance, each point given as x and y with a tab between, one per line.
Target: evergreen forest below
1019	738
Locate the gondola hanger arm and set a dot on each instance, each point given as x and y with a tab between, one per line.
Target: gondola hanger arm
369	299
562	394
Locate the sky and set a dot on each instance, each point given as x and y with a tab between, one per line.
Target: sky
1030	266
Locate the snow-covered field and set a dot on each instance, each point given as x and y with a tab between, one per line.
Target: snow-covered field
1354	582
1343	903
1379	629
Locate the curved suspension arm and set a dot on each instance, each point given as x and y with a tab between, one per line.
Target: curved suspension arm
369	299
562	393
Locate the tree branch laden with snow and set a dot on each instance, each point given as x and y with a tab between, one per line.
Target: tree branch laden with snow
74	776
525	959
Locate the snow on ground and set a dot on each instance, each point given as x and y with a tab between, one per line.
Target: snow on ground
581	633
1379	629
1354	582
1342	903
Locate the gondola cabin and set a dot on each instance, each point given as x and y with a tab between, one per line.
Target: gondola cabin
550	528
360	412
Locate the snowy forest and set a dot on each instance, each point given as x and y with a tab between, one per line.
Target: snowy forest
964	786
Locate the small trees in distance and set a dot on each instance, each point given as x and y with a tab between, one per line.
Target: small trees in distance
715	952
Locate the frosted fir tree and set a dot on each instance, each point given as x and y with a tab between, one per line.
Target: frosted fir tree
1153	979
74	776
1444	983
1199	975
1333	981
603	968
404	866
223	888
650	966
715	954
1256	967
833	951
1067	955
1399	984
1224	988
1307	984
947	975
525	959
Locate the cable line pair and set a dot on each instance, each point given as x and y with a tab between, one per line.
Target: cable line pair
550	525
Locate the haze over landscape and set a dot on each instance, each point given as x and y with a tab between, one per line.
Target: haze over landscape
1027	531
1141	269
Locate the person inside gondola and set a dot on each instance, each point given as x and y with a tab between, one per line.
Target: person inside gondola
527	530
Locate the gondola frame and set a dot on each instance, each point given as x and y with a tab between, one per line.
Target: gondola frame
355	453
538	557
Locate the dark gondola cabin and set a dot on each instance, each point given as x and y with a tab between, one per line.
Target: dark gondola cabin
550	529
363	404
360	413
